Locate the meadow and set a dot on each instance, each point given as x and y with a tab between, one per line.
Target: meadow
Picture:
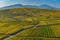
29	24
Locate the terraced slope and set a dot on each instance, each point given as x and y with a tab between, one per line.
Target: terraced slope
29	24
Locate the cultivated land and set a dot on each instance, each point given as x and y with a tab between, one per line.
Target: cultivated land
29	24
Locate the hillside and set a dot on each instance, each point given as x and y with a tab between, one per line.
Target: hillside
30	22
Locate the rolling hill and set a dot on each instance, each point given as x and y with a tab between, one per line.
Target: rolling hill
22	23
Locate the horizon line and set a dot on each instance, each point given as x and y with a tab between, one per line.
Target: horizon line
29	4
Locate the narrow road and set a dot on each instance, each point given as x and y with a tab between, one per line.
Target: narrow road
18	32
21	30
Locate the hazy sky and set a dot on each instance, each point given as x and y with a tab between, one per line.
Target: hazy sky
55	3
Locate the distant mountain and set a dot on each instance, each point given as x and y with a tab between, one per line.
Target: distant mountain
13	6
44	6
48	7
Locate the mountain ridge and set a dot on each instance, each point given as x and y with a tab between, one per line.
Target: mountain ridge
44	6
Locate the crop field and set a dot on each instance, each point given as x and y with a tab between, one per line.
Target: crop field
29	24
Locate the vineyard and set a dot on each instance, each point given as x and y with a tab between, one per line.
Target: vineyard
29	24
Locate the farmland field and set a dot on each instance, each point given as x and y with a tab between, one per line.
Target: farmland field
29	24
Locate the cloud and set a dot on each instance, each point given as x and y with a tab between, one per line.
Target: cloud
3	4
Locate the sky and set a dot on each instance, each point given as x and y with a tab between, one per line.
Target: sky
54	3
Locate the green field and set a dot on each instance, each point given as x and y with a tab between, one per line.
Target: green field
29	24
